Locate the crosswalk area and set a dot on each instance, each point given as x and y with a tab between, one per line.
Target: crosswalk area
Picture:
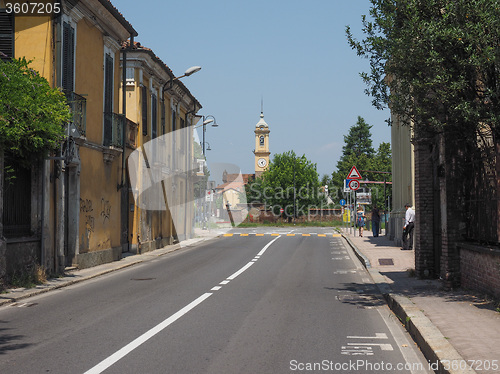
255	234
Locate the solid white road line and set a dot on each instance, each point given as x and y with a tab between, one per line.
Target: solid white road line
106	363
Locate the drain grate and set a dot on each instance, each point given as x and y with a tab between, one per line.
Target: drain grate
386	261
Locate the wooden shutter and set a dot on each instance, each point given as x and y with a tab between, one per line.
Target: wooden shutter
6	35
163	118
144	110
154	116
68	60
108	100
108	84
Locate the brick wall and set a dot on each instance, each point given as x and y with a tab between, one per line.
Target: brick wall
425	266
451	216
480	269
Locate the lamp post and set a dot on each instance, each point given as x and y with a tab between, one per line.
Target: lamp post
207	120
187	73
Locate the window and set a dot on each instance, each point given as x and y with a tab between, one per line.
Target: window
163	117
144	110
108	99
6	34
68	58
174	121
16	199
154	116
261	140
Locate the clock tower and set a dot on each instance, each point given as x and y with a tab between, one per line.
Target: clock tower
261	146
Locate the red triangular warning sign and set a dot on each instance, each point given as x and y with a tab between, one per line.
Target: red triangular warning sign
354	174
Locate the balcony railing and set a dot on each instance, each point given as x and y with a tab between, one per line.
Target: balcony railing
113	127
78	107
132	128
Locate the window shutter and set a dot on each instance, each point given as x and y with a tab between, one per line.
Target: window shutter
108	100
144	110
6	35
108	85
163	118
68	68
154	116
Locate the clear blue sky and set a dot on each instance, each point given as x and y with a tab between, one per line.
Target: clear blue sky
292	53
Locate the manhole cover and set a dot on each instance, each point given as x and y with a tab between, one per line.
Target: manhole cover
385	261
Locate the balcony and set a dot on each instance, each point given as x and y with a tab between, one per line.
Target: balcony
78	108
132	129
113	127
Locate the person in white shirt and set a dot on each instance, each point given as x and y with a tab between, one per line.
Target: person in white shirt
408	227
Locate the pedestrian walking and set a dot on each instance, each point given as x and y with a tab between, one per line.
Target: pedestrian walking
375	221
408	228
360	220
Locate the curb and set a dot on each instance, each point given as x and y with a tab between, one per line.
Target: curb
436	349
68	279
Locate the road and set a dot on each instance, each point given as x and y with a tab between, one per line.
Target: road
259	301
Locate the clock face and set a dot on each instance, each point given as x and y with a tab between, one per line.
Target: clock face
262	162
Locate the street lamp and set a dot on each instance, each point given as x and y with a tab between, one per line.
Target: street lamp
206	121
187	73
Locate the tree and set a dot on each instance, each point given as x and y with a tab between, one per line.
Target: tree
32	114
381	162
359	140
436	64
357	150
291	183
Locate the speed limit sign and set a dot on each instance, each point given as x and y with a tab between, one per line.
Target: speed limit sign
354	184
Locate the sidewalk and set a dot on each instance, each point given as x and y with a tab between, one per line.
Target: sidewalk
80	275
456	326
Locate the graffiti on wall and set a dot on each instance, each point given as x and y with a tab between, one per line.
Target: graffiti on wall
105	210
86	206
89	220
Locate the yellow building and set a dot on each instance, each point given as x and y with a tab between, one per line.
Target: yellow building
80	211
77	218
161	105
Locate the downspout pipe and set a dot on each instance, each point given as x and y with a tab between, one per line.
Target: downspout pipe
188	167
124	180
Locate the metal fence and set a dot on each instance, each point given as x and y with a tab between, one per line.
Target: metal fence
16	200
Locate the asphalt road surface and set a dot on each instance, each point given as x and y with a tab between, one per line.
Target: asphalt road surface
259	301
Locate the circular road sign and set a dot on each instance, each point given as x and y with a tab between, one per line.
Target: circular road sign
342	202
354	184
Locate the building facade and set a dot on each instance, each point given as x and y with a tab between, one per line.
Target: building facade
166	113
403	178
76	207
